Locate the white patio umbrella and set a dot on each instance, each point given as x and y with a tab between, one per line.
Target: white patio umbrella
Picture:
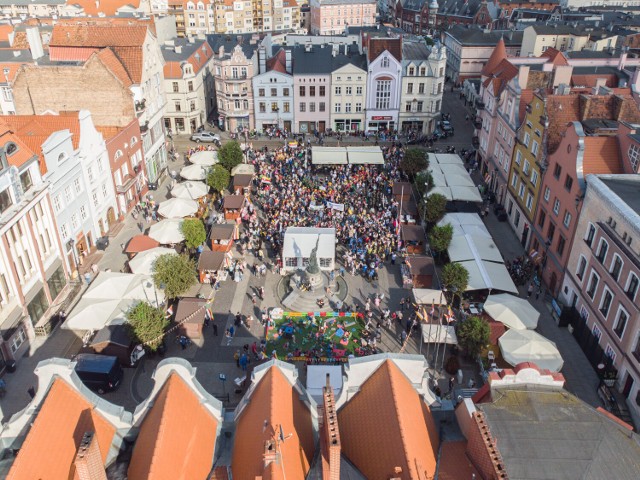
143	262
514	312
194	172
91	314
190	190
243	168
518	346
177	208
167	231
205	157
109	285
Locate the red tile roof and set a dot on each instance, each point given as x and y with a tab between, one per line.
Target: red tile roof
198	59
278	62
52	442
601	155
498	55
22	154
98	35
177	436
387	425
561	111
113	63
108	7
379	45
556	56
500	75
454	462
276	402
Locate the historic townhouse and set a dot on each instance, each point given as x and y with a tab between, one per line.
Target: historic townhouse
348	88
273	91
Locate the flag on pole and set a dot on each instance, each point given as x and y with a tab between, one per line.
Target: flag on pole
208	315
265	179
169	312
433	309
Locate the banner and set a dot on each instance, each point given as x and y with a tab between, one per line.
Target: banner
316	207
265	179
336	206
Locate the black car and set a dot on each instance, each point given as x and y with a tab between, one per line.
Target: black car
100	373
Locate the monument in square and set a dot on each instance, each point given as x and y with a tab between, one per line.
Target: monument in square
308	257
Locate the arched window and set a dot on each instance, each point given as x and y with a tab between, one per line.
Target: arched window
134	140
62	157
117	155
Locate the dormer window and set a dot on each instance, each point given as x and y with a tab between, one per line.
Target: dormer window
62	157
118	154
11	148
385	62
134	140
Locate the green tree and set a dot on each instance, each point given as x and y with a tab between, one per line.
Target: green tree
434	207
424	182
414	161
218	178
147	324
174	273
440	238
473	335
230	155
455	279
194	232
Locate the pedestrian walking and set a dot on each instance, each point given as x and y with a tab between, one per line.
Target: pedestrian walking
243	362
530	290
538	292
403	337
141	227
215	329
236	357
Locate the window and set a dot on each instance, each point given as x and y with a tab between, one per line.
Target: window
561	244
514	181
419	106
192	106
358	107
634	158
321	107
190	86
261	92
176	87
542	218
384	63
557	170
421	88
567	219
621	322
616	267
325	262
178	107
534	178
74	221
291	261
286	107
285	92
337	108
57	204
518	157
527	139
632	286
303	107
556	206
321	91
593	285
409	87
347	107
358	90
263	107
338	90
25	181
68	196
526	168
274	106
77	185
347	90
602	250
521	191
383	94
412	71
104	190
312	106
609	352
274	92
582	265
312	91
83	212
551	232
568	183
590	234
303	90
534	148
547	194
38	306
595	330
605	303
18	338
529	201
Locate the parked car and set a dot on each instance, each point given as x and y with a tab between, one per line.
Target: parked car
100	373
205	136
446	127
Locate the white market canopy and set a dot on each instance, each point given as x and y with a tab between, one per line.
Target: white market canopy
194	172
439	334
329	155
488	275
445	158
466	194
451	169
465	223
167	231
473	247
365	155
300	241
177	208
444	191
518	346
515	312
143	262
93	314
243	169
427	296
190	190
206	158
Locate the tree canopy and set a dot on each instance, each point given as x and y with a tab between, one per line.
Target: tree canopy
455	278
218	178
473	335
435	206
194	232
175	274
147	324
440	238
424	182
414	161
230	155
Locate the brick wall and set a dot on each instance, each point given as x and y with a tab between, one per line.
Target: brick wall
91	87
483	451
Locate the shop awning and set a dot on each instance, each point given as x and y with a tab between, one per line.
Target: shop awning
485	275
329	156
472	247
465	223
365	155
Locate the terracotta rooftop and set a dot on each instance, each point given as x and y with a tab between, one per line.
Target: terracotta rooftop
526	97
108	7
177	436
141	243
454	463
276	402
601	155
52	442
22	154
387	425
499	53
200	55
109	132
98	35
109	59
561	110
500	75
555	56
5	30
379	45
278	62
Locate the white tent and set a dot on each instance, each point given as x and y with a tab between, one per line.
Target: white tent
206	158
329	155
514	312
143	262
91	314
488	275
447	158
365	155
465	194
445	191
451	169
457	180
243	169
465	223
439	334
427	296
471	247
519	346
167	231
439	180
300	241
194	172
190	190
177	208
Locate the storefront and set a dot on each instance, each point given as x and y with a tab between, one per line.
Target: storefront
412	125
306	127
347	125
378	123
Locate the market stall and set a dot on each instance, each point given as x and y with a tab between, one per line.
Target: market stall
242	183
514	312
329	155
413	238
167	232
222	236
485	275
178	208
205	158
190	190
420	269
140	243
401	191
143	262
365	155
213	263
194	172
232	206
190	317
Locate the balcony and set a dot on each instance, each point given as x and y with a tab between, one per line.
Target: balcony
237	78
128	182
140	107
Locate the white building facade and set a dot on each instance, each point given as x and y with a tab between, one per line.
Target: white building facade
384	87
273	91
349	93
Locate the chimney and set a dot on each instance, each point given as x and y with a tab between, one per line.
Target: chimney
287	63
221	51
262	59
177	49
331	443
623	59
270	453
88	462
35	42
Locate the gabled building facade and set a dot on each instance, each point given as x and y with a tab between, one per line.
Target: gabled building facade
349	89
312	87
273	91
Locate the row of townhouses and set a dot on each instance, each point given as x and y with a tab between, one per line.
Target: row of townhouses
559	149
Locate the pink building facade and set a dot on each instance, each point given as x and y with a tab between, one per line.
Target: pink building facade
331	17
